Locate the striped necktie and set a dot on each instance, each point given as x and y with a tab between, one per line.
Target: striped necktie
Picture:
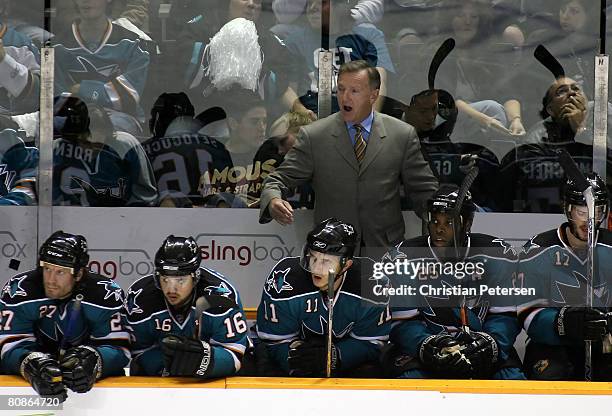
360	143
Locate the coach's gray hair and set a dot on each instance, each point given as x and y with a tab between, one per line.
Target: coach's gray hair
356	66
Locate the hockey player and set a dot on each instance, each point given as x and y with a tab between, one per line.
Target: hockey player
292	315
93	165
185	320
440	333
61	324
18	169
557	320
180	155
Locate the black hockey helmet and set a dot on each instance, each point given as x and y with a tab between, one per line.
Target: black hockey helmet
572	196
445	200
70	117
166	108
331	236
178	256
67	250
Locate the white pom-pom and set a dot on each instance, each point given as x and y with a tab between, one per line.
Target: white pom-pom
235	56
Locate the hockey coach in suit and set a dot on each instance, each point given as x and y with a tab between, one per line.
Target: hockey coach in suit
355	161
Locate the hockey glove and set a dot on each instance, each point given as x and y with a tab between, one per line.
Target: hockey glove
44	374
482	351
187	357
442	353
579	323
81	367
309	358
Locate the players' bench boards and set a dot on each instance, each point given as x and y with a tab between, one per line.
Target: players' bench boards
296	397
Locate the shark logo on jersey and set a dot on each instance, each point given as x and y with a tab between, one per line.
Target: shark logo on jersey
13	287
505	245
575	294
531	246
321	329
9	176
443	310
278	281
221	290
104	197
112	289
394	254
131	304
89	71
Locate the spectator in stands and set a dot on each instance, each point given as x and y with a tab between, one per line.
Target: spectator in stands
288	11
94	165
573	40
508	16
347	41
26	17
450	160
247	126
272	153
415	16
136	11
228	43
474	78
19	68
20	167
102	63
532	172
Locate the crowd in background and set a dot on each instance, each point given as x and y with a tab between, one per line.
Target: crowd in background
191	103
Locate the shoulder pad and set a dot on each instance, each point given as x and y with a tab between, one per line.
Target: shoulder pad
413	248
539	243
604	237
119	33
213	283
546	239
420	241
144	299
360	280
491	246
288	279
101	291
23	288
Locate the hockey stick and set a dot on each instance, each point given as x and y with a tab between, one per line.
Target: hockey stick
331	279
201	305
469	179
549	61
74	312
572	172
443	51
206	302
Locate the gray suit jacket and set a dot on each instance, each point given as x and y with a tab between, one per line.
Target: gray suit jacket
368	197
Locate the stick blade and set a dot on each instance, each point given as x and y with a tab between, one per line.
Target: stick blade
443	51
572	171
549	61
